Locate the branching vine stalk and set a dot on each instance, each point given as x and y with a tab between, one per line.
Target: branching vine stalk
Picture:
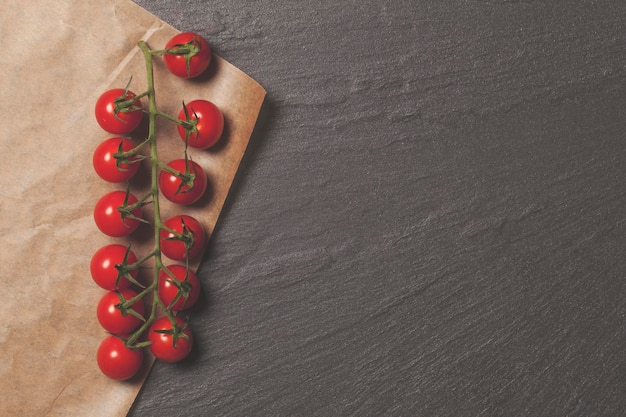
155	165
172	288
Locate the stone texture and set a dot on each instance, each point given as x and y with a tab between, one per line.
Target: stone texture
429	220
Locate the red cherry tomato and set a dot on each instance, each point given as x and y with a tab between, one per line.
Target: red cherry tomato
116	360
103	266
191	64
109	219
175	189
190	229
163	347
185	282
106	165
111	317
209	124
118	122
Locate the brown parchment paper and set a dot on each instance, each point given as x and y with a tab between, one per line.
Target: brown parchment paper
58	57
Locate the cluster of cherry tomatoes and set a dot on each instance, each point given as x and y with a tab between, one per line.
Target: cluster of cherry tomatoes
133	324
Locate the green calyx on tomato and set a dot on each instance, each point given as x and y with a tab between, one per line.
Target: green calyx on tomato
127	102
118	111
126	157
187	50
176	331
127	269
182	181
111	214
171	339
128	211
114	267
178	287
120	312
118	361
201	124
116	160
186	55
182	238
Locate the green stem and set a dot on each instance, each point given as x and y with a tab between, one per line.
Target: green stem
128	303
133	338
153	112
154	160
137	264
155	166
183	123
145	93
172	51
186	177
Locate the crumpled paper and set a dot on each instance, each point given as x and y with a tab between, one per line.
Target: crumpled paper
58	57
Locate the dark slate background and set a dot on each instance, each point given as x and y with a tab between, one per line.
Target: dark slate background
430	218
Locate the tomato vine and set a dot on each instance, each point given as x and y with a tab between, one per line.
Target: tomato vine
173	287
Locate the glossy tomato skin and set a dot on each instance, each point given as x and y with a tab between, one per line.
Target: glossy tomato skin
105	164
111	318
168	290
210	124
162	346
109	219
119	123
103	270
116	360
177	64
175	249
170	183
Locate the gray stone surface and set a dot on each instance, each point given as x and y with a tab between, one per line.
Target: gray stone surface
430	218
